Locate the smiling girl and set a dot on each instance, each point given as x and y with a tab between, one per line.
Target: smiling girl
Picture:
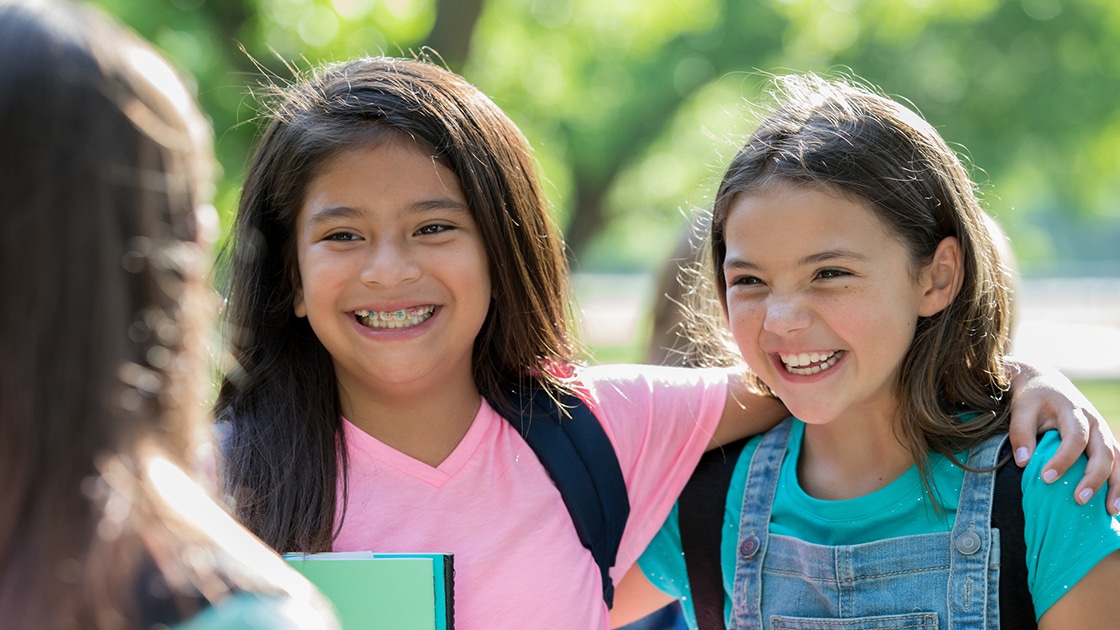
863	288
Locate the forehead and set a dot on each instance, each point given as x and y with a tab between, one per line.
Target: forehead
784	218
781	201
386	169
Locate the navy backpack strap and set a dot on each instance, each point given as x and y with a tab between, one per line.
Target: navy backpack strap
1016	607
575	450
700	514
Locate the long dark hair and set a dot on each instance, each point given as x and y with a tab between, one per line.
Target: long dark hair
285	448
857	142
102	157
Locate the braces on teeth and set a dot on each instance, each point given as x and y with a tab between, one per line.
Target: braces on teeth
394	319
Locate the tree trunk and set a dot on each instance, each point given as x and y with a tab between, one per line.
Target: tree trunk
450	39
588	217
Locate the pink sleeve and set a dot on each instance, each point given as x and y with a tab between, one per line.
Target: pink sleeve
660	419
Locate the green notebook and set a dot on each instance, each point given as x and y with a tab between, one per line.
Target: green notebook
409	591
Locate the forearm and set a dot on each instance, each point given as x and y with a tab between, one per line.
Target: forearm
636	597
745	413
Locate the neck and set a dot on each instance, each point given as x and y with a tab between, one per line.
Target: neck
845	459
425	425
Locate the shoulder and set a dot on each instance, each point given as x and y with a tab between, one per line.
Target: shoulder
1064	539
231	568
630	377
1047	447
633	395
1055	501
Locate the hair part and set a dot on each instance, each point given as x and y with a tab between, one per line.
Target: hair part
281	399
856	142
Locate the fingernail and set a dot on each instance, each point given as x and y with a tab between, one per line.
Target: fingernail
1116	504
1049	475
1022	454
1085	495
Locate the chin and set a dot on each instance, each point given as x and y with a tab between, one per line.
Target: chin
810	414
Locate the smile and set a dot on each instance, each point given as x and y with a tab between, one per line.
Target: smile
807	363
395	319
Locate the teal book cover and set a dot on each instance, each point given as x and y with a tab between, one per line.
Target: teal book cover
407	591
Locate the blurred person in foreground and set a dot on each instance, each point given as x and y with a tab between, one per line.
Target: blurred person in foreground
105	520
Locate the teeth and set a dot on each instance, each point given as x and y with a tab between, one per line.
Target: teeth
804	358
806	363
394	319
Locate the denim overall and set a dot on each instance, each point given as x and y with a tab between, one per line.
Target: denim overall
942	581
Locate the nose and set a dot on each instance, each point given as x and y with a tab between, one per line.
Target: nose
390	262
786	314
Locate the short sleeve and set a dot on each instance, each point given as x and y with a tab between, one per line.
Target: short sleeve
663	565
1064	540
660	420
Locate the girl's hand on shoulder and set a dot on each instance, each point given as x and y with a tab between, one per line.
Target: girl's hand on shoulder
1044	400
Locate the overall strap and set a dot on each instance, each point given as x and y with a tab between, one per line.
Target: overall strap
576	452
754	523
971	591
700	514
1016	607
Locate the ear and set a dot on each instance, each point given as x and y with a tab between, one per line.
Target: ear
942	278
298	305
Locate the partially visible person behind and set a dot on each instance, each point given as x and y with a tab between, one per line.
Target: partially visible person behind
670	342
104	522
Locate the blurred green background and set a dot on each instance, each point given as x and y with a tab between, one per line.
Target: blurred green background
633	108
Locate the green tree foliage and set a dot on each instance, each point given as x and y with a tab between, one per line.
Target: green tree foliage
634	106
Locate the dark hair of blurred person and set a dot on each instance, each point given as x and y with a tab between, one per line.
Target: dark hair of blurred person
105	521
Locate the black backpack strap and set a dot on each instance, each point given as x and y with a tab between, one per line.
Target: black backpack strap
700	513
1016	607
575	450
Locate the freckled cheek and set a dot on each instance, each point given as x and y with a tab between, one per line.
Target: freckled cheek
745	322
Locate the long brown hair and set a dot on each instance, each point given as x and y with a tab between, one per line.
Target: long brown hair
102	165
850	139
286	449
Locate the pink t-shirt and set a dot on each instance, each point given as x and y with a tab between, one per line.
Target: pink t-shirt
518	561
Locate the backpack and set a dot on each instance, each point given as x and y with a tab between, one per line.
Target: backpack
702	503
580	459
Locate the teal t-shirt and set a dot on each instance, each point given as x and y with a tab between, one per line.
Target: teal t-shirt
1064	540
250	611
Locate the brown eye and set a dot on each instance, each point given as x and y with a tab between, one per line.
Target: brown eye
435	228
744	281
826	274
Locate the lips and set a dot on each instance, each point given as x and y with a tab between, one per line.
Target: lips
402	318
809	363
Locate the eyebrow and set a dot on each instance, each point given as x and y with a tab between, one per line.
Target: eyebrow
812	259
832	254
347	212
